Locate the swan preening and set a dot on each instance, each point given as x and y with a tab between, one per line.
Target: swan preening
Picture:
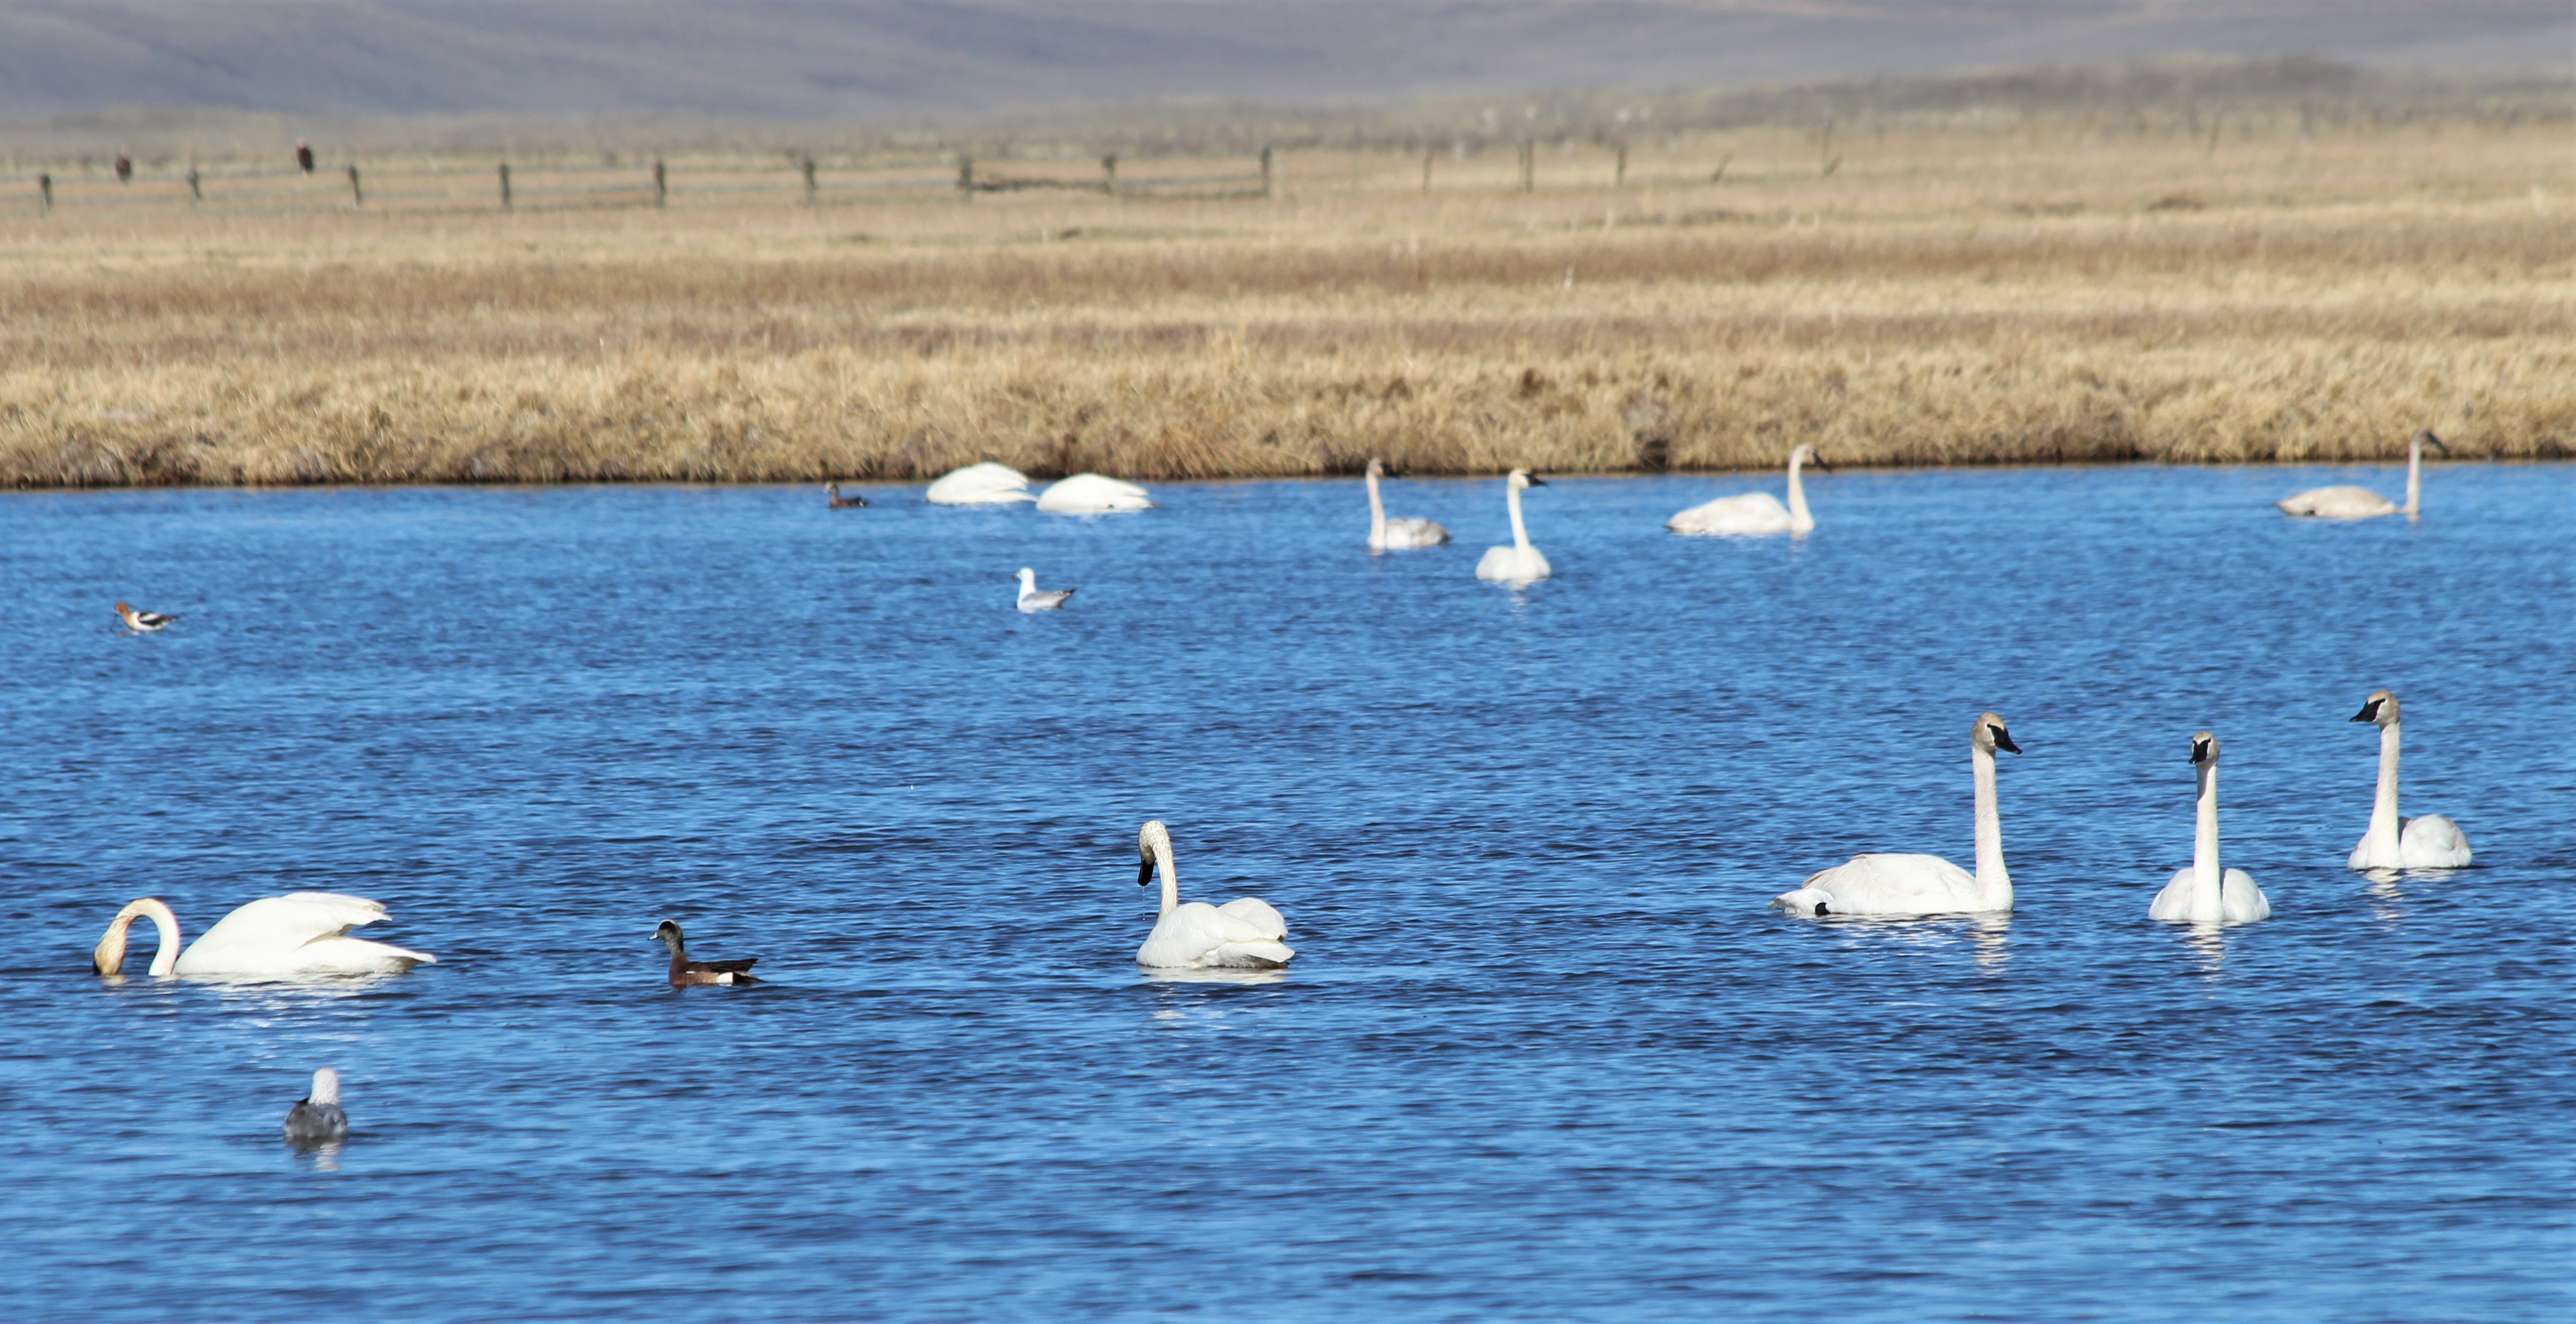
2203	894
1395	535
300	933
1519	563
986	484
1032	600
2361	502
316	1119
2430	842
1751	514
144	622
1243	934
1923	884
1093	494
685	971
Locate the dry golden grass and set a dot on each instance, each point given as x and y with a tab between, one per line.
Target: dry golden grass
1952	296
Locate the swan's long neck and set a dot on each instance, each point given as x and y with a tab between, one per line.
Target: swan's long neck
1520	531
1377	511
1799	520
1171	879
109	958
2383	809
1992	880
2208	901
2414	473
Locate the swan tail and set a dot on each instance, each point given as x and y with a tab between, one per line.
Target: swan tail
1258	955
2242	901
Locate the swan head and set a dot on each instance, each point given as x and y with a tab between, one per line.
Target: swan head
1521	478
1808	454
1376	467
1150	838
2204	750
326	1087
2425	437
1989	735
2380	707
668	935
108	957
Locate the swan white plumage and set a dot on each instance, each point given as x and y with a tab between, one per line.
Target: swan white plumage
1245	933
1093	494
1923	884
1519	563
1752	514
300	933
2430	842
1395	535
2360	502
2203	894
1032	600
986	484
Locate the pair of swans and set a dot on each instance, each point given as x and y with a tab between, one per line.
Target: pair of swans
2360	502
1754	514
300	933
1243	934
991	484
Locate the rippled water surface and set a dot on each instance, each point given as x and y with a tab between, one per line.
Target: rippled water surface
1543	1053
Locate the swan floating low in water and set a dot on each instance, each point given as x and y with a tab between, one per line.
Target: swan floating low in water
144	622
2360	502
832	491
316	1119
1242	934
1092	494
986	484
2202	894
685	971
1753	514
1396	535
1032	600
1923	884
1519	563
2430	842
300	933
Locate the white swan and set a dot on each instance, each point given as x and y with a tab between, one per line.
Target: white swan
300	933
1092	494
1241	934
2202	894
1395	535
2430	842
1519	563
2361	502
986	484
1032	600
1923	884
1750	514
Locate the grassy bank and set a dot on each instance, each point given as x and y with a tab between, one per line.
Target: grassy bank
2041	292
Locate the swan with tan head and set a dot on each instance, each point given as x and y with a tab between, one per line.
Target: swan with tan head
2390	842
2203	894
300	933
1521	562
1396	535
2349	502
1923	884
1755	514
1243	934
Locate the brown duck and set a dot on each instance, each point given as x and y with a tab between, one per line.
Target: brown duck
685	971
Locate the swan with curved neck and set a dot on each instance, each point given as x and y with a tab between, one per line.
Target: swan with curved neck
2360	502
1521	562
1396	535
2204	894
1753	514
1243	934
2391	842
1923	884
300	933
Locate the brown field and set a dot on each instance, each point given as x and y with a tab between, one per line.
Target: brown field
2037	290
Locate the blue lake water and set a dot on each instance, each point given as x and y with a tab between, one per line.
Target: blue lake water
1543	1054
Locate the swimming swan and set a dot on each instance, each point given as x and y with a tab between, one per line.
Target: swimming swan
1243	934
1032	600
1923	884
1092	494
317	1119
986	484
1751	514
1395	535
1519	563
2201	893
300	933
2361	502
2430	842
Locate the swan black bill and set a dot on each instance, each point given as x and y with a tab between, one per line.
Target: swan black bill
1536	481
1145	872
2368	711
2200	751
2003	741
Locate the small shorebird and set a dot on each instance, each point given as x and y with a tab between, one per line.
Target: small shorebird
316	1119
144	622
685	971
1032	600
840	502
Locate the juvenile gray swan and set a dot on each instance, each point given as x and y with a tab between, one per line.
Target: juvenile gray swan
685	971
316	1119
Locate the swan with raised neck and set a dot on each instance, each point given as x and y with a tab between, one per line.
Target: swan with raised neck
2205	893
2393	842
1890	884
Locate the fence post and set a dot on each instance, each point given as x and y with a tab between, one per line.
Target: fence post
1269	173
45	186
505	186
196	194
965	179
661	185
1109	174
1529	165
1620	180
808	166
357	195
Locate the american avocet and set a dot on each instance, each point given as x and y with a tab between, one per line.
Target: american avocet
685	971
144	622
1032	600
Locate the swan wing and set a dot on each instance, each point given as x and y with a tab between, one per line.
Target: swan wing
300	932
2243	902
1196	935
2174	902
2432	842
1743	513
2337	503
1092	494
983	484
1404	533
1896	885
1257	912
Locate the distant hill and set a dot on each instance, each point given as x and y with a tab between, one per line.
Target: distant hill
924	59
